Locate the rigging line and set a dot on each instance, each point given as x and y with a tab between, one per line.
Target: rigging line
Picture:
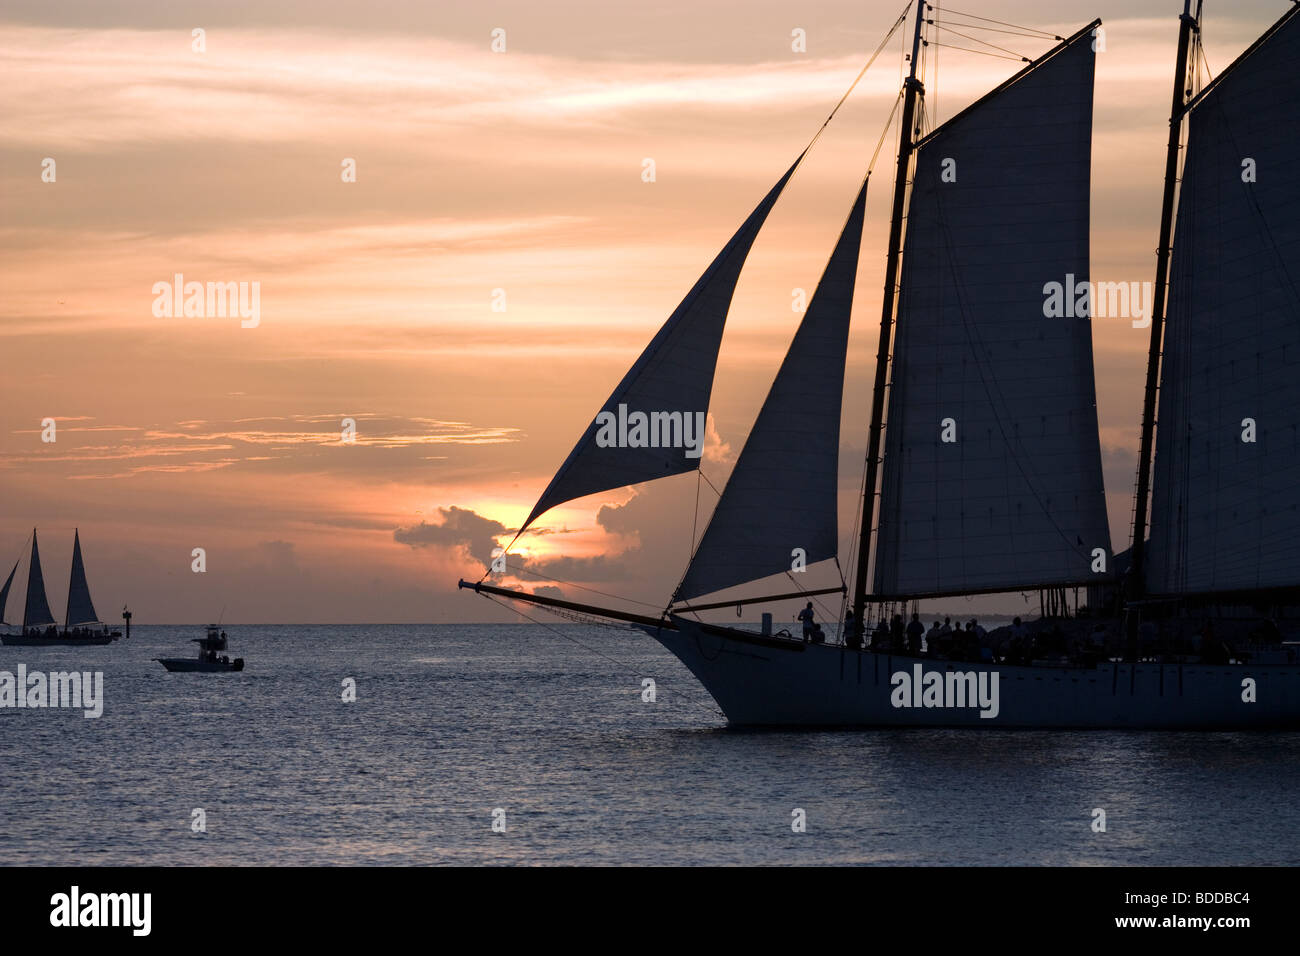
586	647
1003	23
695	514
857	517
617	597
885	132
1209	73
840	632
817	599
1014	33
862	484
902	17
965	36
690	558
695	523
709	483
902	58
999	56
934	87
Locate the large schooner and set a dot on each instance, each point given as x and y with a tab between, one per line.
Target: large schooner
983	472
39	628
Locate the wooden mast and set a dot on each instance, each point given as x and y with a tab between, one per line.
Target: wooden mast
1136	579
912	88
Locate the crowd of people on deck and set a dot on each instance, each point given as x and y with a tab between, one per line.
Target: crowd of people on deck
1048	641
52	632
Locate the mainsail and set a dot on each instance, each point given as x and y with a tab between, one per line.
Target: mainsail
4	592
1224	512
672	380
80	608
782	492
36	613
992	465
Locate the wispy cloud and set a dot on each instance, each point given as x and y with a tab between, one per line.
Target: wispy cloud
275	440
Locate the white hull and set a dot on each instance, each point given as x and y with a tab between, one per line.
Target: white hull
767	682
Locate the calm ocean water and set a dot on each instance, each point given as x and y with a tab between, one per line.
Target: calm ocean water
451	722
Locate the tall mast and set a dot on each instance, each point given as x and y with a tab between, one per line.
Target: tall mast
1186	24
912	88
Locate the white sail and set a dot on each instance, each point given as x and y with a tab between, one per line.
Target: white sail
81	610
669	384
36	612
781	497
1225	515
992	465
4	592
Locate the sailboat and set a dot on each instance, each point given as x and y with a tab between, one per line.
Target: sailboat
38	627
983	472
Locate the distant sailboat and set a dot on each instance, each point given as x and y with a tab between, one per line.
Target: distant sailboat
39	627
1015	503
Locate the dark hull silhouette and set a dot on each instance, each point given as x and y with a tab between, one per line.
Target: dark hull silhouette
193	665
61	640
761	681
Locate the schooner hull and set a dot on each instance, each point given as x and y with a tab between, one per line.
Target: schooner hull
764	682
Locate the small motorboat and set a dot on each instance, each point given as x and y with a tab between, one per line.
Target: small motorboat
207	660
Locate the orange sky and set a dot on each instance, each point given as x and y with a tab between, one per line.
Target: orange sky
476	171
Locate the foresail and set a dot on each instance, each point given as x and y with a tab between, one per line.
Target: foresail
992	476
781	498
4	592
653	424
1225	514
36	613
81	610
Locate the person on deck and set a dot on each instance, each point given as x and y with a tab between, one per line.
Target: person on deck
806	616
852	632
932	640
915	631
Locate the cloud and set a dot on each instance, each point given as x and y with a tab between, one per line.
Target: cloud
460	528
619	519
279	555
716	450
69	87
597	567
292	442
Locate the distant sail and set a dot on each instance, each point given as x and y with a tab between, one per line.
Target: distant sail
673	378
37	611
782	491
80	608
1224	512
999	209
4	592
